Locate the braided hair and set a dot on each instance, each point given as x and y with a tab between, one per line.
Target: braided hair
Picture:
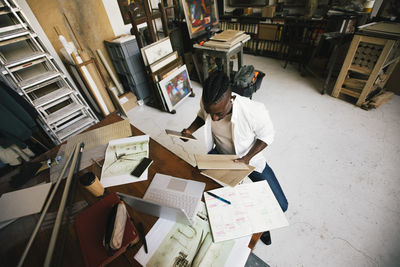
214	88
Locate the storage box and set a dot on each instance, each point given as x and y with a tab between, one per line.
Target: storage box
267	32
268	11
128	101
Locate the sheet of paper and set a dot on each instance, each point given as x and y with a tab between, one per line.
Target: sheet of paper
228	177
95	145
168	241
122	156
219	162
23	202
253	209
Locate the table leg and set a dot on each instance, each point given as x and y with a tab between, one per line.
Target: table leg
226	65
240	57
205	66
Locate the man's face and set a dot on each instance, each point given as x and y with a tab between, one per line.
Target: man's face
220	109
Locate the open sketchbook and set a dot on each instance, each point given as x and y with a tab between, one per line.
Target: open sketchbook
253	209
221	162
122	156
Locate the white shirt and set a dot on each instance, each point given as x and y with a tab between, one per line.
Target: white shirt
222	135
250	121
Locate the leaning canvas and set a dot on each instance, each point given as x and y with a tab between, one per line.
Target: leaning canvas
156	51
176	87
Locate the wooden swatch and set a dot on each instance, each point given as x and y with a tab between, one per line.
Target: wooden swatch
228	177
222	162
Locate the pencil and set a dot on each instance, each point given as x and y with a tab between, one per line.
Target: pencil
218	197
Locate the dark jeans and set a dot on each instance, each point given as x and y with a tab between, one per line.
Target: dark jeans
269	175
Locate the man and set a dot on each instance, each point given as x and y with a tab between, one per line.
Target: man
241	127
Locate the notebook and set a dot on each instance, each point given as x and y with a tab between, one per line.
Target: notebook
169	197
253	209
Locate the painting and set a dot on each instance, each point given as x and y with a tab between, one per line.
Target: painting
200	15
136	6
156	51
176	87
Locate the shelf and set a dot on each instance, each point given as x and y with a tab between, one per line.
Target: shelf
57	94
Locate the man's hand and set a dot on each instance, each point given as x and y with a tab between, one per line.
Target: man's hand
244	159
256	148
187	132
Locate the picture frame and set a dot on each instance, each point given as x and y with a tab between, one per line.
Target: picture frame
136	6
200	16
156	51
163	61
176	87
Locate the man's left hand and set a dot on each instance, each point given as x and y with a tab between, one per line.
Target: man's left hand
243	159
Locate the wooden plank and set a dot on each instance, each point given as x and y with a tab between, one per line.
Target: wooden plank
347	63
354	83
389	72
367	89
361	70
349	92
380	99
373	40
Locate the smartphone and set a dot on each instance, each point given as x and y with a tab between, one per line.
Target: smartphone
143	165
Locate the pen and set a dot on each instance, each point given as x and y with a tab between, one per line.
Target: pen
218	197
142	236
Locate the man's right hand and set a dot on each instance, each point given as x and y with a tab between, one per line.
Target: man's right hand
185	131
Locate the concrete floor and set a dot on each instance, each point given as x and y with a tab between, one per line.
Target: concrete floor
339	166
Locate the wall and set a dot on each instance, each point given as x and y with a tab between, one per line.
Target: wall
88	19
115	18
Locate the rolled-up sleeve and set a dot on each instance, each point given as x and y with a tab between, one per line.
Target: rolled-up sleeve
262	124
202	112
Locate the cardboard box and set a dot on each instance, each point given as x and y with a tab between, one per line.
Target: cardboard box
128	101
267	32
268	11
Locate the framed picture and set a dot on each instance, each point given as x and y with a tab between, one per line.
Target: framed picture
163	61
200	16
176	87
156	51
136	6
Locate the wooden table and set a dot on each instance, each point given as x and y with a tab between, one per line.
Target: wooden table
15	236
224	54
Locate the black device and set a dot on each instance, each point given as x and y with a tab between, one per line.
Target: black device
143	165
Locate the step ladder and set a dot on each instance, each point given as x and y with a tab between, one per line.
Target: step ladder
28	66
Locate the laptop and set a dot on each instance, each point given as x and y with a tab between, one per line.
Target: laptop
170	198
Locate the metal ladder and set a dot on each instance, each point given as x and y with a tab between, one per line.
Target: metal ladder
28	66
